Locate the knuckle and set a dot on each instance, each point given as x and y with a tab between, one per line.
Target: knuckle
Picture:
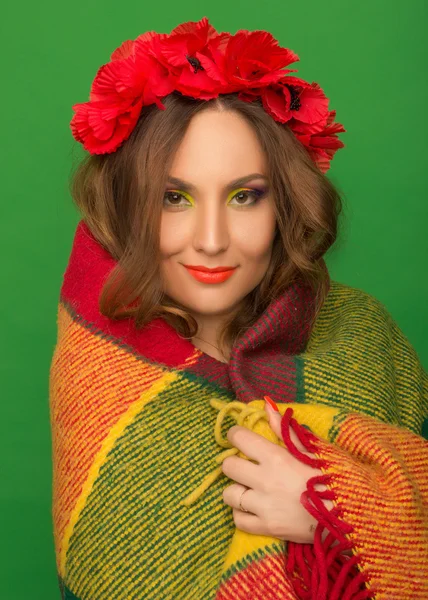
277	458
226	493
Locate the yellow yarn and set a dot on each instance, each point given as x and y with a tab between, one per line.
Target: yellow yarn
247	415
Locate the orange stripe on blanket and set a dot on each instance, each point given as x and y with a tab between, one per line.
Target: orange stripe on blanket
378	499
83	418
259	580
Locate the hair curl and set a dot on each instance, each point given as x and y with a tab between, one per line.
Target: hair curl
119	196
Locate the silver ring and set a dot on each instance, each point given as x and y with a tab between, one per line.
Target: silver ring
240	500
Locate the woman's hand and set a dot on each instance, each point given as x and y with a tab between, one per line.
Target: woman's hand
275	485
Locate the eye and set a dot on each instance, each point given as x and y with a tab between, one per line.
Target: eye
174	198
249	192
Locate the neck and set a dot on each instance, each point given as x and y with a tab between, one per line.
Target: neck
208	334
209	329
211	349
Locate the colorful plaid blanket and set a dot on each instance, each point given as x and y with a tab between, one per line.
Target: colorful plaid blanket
139	420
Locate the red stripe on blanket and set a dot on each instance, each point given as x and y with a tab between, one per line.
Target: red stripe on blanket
87	270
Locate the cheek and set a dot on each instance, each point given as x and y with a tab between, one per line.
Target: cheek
173	236
256	239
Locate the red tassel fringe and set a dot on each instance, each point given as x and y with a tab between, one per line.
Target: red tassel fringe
320	571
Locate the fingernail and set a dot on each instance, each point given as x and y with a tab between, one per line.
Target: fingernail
271	403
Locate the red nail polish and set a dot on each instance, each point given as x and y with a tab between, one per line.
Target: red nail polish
271	403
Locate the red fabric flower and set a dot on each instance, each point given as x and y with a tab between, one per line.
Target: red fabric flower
102	128
254	59
133	78
295	98
187	51
320	139
134	71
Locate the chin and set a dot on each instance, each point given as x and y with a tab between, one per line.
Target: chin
212	303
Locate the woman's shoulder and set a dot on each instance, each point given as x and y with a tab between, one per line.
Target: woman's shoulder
344	297
350	309
357	316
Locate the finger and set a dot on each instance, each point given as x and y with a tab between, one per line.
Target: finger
248	522
242	471
275	419
233	494
252	444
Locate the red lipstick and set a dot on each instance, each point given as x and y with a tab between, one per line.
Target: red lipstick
209	269
205	275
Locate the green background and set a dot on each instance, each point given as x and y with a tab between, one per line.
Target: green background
370	59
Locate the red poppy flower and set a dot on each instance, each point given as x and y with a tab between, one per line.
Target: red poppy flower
101	127
135	71
185	50
254	58
133	78
320	139
295	98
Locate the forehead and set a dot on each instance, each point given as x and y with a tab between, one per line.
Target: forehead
219	146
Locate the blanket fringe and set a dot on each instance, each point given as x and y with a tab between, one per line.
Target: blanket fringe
320	571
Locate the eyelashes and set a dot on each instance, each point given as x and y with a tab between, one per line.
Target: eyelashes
256	193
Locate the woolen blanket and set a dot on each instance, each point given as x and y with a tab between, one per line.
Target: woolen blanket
139	421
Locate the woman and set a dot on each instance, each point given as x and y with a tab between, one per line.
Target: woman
172	476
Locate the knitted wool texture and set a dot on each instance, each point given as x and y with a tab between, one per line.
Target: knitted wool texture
138	419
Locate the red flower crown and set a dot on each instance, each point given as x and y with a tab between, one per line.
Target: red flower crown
197	61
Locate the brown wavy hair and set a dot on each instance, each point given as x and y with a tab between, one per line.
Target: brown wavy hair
120	197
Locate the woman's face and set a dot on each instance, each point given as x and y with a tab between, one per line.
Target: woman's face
211	221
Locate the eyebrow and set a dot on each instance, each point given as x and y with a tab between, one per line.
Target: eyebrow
185	185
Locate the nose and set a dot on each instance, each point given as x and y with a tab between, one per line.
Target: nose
211	227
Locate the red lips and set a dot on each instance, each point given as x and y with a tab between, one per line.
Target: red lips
217	275
207	269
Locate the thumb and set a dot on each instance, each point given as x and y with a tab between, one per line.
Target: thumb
274	416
